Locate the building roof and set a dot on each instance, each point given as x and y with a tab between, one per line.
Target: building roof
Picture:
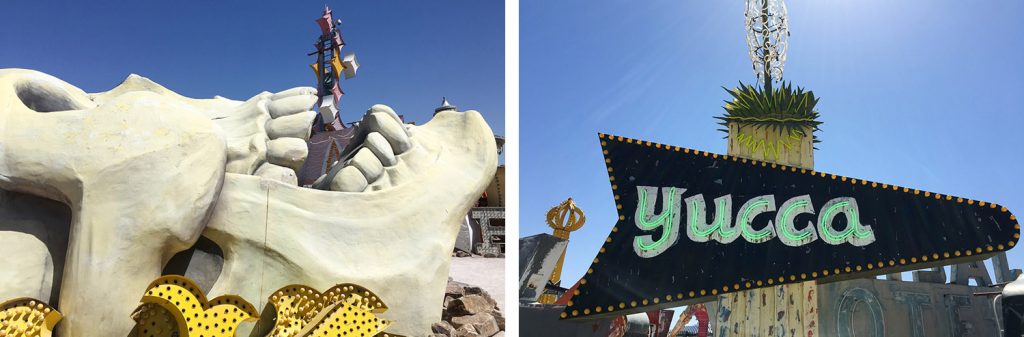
320	145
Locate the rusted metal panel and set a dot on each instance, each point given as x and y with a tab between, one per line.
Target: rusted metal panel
767	298
870	307
741	313
863	307
537	257
753	316
794	305
810	309
723	315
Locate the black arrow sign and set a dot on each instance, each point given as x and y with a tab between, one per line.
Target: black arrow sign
694	224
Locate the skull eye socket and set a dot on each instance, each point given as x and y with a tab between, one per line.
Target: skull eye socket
44	96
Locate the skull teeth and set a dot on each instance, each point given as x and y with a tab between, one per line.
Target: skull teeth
390	128
295	125
380	147
349	179
368	164
288	152
266	129
305	91
377	148
289	105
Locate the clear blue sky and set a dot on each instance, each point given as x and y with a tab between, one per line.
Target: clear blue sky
916	93
411	52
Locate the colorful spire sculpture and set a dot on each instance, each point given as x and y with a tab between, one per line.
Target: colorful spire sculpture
445	106
767	38
564	219
328	69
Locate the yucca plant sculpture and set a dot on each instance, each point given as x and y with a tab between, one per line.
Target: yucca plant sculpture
782	108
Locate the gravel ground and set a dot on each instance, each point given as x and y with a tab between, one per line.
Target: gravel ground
486	273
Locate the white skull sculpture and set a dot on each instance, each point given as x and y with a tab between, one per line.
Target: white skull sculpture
144	172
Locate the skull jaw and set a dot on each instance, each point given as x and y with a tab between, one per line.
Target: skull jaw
396	242
406	264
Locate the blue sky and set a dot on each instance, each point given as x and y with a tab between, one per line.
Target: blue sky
411	52
916	93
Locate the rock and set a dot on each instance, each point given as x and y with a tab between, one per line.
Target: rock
466	331
470	304
455	290
483	323
461	321
488	328
474	290
443	328
500	319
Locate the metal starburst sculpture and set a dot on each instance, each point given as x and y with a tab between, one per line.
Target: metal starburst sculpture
768	105
767	38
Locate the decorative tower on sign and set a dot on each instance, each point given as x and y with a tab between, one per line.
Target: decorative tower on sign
768	121
445	106
775	124
767	37
328	69
564	219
